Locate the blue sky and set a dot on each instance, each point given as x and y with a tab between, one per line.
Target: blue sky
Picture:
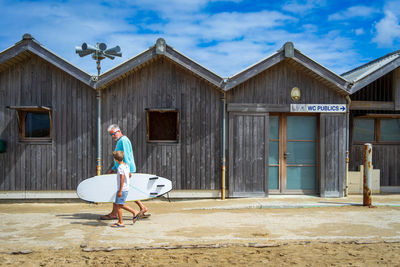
223	36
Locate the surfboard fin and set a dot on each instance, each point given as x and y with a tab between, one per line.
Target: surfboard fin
160	185
154	194
153	178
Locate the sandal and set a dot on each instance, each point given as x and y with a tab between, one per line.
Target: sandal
135	218
117	225
108	217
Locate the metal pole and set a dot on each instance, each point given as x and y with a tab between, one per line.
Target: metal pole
98	98
223	149
367	181
346	190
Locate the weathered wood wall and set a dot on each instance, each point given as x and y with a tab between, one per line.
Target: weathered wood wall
386	158
379	90
273	86
248	165
71	157
332	154
192	163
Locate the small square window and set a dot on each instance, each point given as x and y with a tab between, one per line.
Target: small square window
162	125
37	125
34	124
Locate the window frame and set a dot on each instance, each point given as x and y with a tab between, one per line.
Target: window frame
162	110
21	117
377	129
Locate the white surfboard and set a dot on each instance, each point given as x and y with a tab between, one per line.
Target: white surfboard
103	188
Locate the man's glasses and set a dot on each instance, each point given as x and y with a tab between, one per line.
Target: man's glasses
114	133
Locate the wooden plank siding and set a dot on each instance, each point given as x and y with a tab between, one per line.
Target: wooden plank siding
273	86
269	91
384	157
248	143
332	154
70	157
379	90
194	161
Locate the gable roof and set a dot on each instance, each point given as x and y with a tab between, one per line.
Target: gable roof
288	52
371	71
159	49
29	46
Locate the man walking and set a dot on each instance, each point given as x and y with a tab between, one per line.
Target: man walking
124	145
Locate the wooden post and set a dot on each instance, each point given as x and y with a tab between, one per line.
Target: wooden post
367	178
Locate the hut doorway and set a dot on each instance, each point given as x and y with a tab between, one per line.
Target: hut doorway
248	152
292	161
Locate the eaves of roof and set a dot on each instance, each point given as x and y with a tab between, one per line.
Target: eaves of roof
288	52
28	46
159	49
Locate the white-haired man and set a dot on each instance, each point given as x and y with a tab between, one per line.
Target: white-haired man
124	145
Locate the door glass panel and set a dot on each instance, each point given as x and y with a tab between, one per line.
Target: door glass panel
390	130
273	157
273	152
301	178
273	127
301	128
301	152
273	178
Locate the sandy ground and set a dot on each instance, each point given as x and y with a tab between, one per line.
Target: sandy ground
305	254
243	232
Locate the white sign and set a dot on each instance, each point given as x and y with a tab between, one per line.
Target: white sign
318	108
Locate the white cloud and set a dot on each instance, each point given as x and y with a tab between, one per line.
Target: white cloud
388	28
302	6
353	12
359	31
225	42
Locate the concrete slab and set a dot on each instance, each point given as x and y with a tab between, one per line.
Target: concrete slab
30	226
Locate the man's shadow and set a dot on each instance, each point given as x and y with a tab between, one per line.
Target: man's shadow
89	219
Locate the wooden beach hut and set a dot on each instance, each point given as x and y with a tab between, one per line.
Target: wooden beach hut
281	126
46	122
287	127
170	107
375	117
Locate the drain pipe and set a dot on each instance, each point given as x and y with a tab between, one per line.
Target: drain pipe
98	99
346	191
223	156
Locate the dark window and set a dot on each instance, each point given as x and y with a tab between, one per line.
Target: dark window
37	124
390	130
364	130
162	126
34	123
377	130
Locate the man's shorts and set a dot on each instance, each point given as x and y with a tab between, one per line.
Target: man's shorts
121	200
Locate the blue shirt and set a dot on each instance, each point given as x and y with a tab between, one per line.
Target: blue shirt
124	145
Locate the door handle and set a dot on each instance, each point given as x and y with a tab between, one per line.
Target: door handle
286	154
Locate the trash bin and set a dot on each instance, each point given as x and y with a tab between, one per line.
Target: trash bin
2	146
